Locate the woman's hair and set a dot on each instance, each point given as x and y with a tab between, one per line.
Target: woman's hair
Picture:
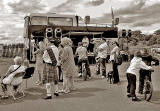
18	60
65	41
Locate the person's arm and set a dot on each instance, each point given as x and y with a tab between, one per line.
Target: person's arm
155	60
37	51
64	55
144	66
76	52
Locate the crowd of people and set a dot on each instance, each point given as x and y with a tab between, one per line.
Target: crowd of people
56	63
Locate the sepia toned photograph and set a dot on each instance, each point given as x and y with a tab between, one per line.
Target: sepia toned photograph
79	55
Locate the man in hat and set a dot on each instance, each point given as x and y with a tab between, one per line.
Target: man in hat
50	58
147	58
132	71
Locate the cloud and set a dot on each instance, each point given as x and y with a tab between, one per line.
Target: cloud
27	6
68	6
95	2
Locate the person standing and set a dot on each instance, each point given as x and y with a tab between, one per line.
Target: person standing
60	48
132	71
114	54
85	41
39	61
102	55
82	58
67	65
50	58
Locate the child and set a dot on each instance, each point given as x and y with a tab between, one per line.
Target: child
132	71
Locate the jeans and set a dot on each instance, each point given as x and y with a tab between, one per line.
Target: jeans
131	88
86	65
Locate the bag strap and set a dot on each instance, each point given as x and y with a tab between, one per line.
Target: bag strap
52	56
16	69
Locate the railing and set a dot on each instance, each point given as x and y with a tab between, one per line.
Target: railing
95	25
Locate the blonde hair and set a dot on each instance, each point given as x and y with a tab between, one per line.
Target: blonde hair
17	60
65	41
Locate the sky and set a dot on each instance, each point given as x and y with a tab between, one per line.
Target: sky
141	15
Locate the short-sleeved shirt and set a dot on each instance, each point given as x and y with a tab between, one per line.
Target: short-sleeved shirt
82	52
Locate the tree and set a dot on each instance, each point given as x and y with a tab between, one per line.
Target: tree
157	32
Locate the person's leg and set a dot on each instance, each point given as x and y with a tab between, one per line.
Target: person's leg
133	87
129	83
48	90
133	84
103	64
65	84
87	68
98	67
71	84
80	67
115	74
141	81
4	90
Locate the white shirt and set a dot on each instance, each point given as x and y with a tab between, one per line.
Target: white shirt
82	52
103	50
46	57
136	64
114	51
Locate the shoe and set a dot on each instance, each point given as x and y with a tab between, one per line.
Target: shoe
129	95
140	92
60	80
47	97
56	94
80	75
61	91
73	89
66	92
103	77
89	77
135	99
97	73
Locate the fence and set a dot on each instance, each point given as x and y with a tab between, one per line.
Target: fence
12	50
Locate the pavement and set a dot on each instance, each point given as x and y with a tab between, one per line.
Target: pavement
93	95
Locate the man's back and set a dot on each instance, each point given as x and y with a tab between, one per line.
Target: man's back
82	52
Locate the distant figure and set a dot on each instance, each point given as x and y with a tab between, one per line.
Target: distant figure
39	61
50	75
82	58
103	52
67	65
8	78
85	41
132	71
114	53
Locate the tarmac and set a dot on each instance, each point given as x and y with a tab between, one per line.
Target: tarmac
93	95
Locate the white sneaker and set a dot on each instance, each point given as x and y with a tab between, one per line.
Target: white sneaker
80	74
103	77
66	92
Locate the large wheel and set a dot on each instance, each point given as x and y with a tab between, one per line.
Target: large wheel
148	91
